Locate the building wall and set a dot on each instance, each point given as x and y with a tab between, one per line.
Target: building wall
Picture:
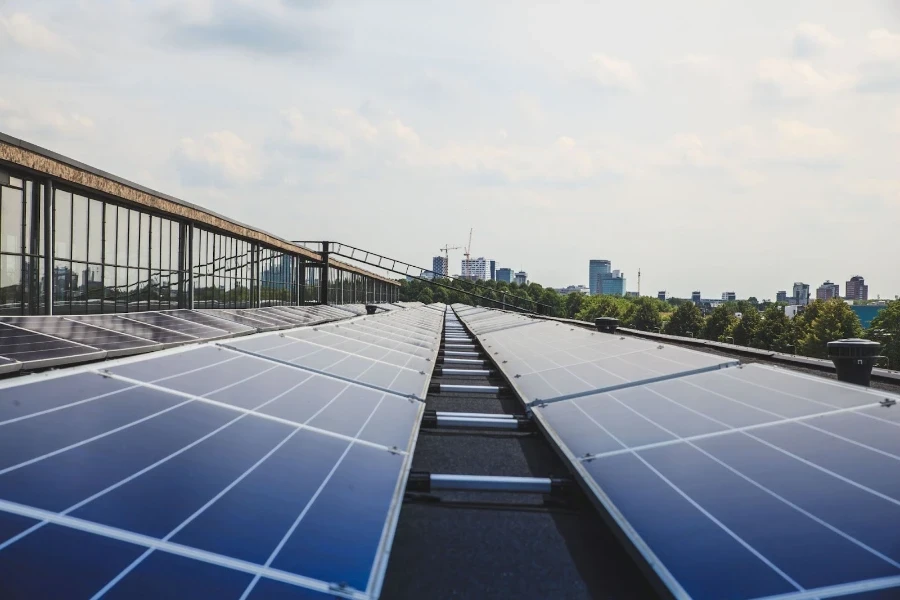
729	296
612	284
439	266
475	268
857	289
827	291
597	268
801	294
695	297
506	275
114	254
521	278
493	269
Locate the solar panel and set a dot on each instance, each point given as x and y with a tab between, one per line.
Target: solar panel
548	362
113	342
255	315
178	325
747	483
200	472
37	350
135	328
213	319
347	366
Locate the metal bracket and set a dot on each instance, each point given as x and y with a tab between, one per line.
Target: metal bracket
888	402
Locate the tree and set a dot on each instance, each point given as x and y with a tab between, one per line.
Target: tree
644	315
774	331
686	320
602	306
745	328
718	323
832	320
426	296
573	303
885	329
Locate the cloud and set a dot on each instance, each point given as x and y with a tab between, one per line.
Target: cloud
614	74
798	142
881	74
798	79
38	119
700	63
23	31
217	159
810	39
262	28
884	45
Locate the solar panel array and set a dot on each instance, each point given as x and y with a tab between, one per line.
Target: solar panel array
39	342
213	471
731	481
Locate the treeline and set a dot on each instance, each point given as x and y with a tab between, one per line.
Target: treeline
763	326
494	294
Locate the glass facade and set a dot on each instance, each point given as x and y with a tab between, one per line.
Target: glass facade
21	246
109	256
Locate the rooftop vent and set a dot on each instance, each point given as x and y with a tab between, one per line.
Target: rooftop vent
370	309
606	324
853	359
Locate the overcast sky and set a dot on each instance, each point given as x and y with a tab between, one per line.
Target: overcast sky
715	145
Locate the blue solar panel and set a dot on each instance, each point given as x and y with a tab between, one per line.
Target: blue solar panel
742	483
200	472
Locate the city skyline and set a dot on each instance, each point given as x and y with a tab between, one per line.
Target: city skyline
544	127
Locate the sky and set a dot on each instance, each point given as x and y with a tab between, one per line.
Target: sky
717	146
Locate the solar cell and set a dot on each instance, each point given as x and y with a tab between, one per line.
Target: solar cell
183	326
113	342
257	315
37	350
135	328
747	483
213	319
169	478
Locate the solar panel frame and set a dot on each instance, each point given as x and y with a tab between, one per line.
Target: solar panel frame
120	323
835	406
114	343
211	320
8	365
60	352
178	325
384	537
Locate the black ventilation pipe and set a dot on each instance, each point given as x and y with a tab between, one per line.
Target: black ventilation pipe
853	359
606	324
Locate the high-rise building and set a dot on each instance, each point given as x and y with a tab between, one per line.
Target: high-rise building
521	277
801	294
828	290
729	296
857	289
661	295
781	296
475	268
695	297
596	269
612	284
439	266
493	264
506	275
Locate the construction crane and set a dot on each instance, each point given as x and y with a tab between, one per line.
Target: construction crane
468	254
446	250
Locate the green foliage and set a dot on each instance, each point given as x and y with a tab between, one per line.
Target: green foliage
744	330
775	331
720	323
644	314
573	303
687	320
823	322
885	329
602	306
